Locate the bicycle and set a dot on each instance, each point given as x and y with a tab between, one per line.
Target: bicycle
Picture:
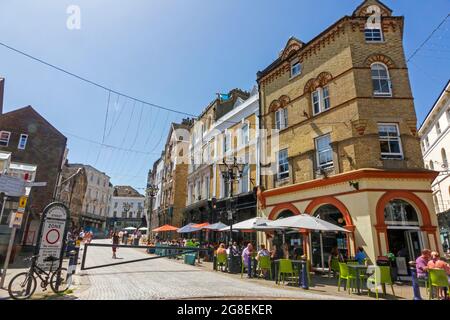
23	285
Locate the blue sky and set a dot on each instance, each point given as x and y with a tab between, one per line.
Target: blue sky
175	53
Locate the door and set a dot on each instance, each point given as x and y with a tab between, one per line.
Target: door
414	242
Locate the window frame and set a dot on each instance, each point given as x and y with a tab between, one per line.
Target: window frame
379	79
437	127
296	65
329	164
372	30
245	134
282	175
282	122
22	135
3	140
322	100
384	155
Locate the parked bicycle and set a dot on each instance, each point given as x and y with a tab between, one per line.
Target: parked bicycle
23	285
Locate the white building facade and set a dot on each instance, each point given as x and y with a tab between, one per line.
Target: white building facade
126	212
435	140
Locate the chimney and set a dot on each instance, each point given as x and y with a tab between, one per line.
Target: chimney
2	90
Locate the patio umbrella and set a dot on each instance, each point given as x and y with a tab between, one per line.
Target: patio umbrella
143	229
306	221
250	224
130	228
201	226
165	228
216	226
187	228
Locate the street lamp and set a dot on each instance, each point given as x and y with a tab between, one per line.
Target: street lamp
231	172
152	191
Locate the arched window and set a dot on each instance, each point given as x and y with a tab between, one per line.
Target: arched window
381	80
431	165
444	158
399	212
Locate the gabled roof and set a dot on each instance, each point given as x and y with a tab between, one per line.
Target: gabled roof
30	110
367	3
126	191
292	45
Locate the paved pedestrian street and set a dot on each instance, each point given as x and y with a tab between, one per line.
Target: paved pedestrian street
170	279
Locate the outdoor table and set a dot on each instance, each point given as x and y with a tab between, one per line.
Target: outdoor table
359	270
297	263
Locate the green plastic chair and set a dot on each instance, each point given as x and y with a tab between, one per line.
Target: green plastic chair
437	278
344	274
285	268
264	263
382	276
222	260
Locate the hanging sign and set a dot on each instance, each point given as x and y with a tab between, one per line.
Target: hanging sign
53	231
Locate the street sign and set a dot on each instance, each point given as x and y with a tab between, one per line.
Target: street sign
35	184
16	220
12	186
53	231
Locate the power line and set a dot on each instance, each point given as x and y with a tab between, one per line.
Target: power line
93	82
429	37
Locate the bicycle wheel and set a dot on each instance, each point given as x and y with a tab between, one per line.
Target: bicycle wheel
22	286
60	280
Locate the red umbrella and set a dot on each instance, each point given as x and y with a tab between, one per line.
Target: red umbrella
165	228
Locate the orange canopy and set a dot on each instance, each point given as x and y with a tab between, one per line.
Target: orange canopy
200	225
165	228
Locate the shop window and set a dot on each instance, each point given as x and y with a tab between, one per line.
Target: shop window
400	213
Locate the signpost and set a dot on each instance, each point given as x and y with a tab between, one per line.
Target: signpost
15	223
52	234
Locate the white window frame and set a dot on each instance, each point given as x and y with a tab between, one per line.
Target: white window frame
25	138
371	31
281	119
296	68
321	99
438	128
245	134
379	79
241	181
5	140
397	156
227	142
328	164
283	174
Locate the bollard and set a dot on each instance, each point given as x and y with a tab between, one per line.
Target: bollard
415	283
72	261
305	278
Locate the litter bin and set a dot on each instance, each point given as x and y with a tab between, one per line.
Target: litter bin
234	264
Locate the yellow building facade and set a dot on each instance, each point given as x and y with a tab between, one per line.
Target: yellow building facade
341	110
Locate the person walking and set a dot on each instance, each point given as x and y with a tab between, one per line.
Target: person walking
115	241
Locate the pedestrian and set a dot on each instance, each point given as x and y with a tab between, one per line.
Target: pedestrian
246	257
115	241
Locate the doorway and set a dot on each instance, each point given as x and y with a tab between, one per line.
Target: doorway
406	245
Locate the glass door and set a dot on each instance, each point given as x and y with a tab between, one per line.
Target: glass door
414	241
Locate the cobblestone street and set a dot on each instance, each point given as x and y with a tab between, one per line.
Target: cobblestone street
169	279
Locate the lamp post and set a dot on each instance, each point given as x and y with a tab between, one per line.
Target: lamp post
152	191
231	172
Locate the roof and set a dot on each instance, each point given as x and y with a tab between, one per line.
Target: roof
126	191
31	110
371	2
445	91
78	165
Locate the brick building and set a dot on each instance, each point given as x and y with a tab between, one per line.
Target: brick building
32	140
342	111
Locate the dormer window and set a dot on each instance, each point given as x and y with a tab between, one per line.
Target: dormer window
296	68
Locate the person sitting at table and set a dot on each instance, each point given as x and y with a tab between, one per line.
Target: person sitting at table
221	249
263	252
422	264
360	255
246	257
437	263
334	255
